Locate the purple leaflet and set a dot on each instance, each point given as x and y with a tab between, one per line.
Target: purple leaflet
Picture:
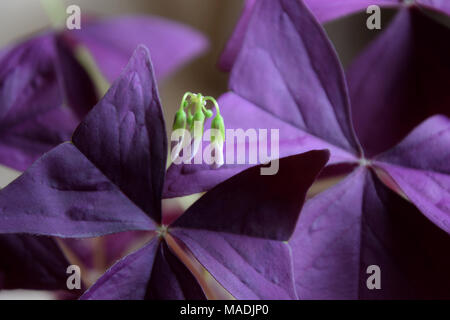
440	6
131	149
326	11
67	191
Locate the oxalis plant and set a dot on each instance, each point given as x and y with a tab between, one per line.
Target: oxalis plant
381	232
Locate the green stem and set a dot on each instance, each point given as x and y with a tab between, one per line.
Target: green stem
216	105
85	58
185	96
56	12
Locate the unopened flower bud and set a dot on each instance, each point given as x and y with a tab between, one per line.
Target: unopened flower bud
208	113
180	120
218	124
199	118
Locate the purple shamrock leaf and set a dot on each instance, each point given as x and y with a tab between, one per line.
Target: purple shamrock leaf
437	5
287	71
40	75
329	10
110	179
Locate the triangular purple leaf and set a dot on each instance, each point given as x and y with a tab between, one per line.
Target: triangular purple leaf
123	135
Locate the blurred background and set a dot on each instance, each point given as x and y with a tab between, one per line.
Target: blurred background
214	18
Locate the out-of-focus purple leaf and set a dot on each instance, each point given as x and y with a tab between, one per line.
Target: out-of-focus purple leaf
31	114
23	142
442	6
325	10
112	41
77	86
128	278
31	262
28	83
234	44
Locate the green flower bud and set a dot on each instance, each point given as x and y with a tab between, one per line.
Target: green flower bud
199	117
208	113
218	124
180	120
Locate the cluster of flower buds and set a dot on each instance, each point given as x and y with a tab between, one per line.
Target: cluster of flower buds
191	118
